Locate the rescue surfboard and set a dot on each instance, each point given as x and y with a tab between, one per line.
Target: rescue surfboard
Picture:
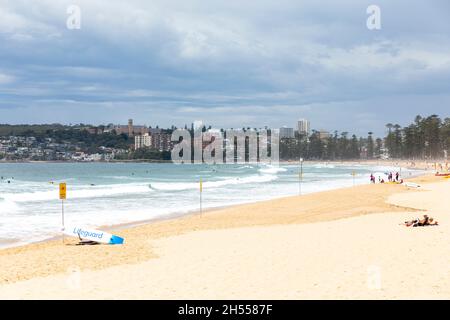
92	235
442	174
412	185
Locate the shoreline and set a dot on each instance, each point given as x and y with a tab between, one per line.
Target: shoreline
25	262
176	215
269	250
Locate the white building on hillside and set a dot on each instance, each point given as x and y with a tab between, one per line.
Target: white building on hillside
142	141
303	126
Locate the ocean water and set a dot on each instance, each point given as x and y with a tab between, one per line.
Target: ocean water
101	194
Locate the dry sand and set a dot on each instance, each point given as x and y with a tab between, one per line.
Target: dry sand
267	250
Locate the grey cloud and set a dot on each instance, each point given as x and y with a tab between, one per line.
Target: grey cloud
254	61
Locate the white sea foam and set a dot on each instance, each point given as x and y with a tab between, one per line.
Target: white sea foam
324	166
30	210
272	170
8	207
244	167
78	193
179	186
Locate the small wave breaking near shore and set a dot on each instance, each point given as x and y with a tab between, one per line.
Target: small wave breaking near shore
109	194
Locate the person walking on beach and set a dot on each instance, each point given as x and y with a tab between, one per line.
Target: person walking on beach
397	176
390	177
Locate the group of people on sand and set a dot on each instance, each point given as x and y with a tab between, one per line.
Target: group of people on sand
439	166
424	222
390	178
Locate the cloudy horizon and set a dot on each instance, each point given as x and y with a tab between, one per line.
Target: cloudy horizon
227	63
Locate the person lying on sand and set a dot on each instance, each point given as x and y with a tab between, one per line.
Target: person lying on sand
426	221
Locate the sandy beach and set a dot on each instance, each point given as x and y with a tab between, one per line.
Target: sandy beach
210	150
340	244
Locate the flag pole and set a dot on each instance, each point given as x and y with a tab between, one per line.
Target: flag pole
300	177
62	196
62	217
201	191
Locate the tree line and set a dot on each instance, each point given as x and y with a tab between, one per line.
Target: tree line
425	138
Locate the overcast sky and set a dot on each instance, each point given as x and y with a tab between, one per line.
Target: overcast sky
228	63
